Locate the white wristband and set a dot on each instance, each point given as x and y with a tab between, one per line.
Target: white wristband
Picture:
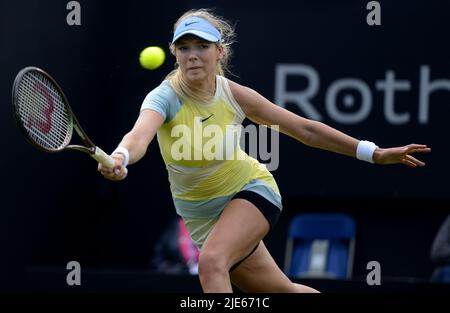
365	150
125	153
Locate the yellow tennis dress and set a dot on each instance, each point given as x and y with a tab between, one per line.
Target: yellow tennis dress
206	165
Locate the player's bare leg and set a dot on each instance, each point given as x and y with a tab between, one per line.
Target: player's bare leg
239	229
260	273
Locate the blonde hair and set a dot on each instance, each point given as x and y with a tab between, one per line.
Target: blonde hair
182	88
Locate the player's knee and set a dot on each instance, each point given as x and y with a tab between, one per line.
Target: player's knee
211	263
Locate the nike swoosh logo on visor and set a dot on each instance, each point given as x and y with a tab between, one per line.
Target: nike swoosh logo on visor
187	24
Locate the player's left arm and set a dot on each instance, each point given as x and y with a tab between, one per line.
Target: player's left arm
313	133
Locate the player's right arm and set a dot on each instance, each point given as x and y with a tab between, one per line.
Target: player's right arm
142	134
136	141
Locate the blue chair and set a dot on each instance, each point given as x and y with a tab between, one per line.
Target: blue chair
441	274
320	245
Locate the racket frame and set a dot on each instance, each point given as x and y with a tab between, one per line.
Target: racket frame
90	147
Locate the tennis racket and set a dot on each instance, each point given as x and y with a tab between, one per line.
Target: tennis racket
44	116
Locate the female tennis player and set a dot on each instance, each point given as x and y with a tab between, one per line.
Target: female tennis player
228	200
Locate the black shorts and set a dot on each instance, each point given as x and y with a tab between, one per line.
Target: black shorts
270	211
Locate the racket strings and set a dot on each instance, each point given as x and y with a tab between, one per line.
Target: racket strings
39	122
55	137
35	118
43	112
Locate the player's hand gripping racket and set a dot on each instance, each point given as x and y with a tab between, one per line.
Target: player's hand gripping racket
45	117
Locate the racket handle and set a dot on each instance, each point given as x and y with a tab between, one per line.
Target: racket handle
103	158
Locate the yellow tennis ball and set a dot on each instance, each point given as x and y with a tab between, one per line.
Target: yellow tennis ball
152	57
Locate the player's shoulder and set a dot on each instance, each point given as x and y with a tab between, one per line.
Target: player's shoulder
164	100
240	92
163	92
164	87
